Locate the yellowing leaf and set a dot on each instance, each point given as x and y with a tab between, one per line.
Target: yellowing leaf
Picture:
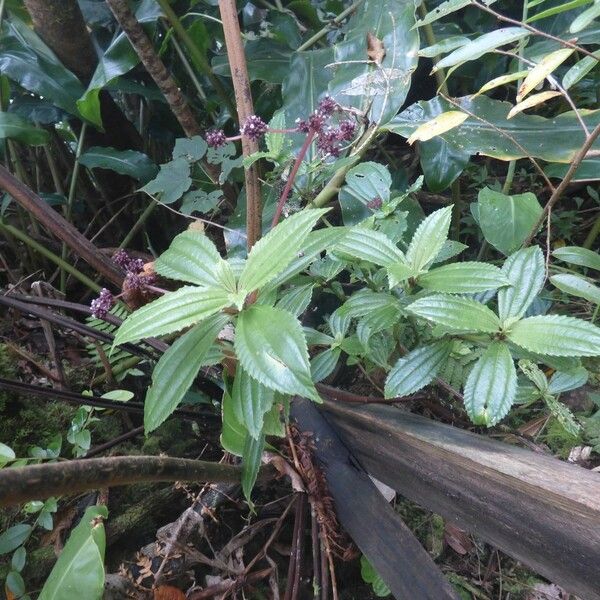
542	70
442	123
531	102
498	81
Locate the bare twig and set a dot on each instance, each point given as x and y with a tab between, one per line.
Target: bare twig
243	99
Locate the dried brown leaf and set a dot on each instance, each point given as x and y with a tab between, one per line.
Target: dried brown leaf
375	48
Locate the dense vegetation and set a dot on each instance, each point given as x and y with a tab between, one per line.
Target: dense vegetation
382	199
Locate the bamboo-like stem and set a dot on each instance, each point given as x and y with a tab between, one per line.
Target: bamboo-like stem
243	99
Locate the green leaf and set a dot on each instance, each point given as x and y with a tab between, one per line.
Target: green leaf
442	10
588	170
79	570
542	69
7	454
463	278
585	18
171	182
14	127
176	370
491	387
366	244
270	345
577	286
534	374
580	69
555	10
118	395
556	335
15	583
507	220
126	162
380	88
296	299
251	459
490	133
417	369
323	364
564	381
192	149
578	256
13	537
525	271
429	238
200	201
172	312
273	253
563	414
399	272
370	575
19	558
192	257
455	312
482	45
233	434
251	400
444	45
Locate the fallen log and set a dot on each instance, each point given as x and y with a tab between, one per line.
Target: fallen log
375	527
535	508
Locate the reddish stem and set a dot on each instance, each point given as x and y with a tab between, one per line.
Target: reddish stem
290	182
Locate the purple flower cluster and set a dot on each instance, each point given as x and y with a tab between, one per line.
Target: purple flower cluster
102	304
254	127
215	138
126	262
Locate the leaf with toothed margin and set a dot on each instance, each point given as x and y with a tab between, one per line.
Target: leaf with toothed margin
429	238
372	246
463	278
491	387
172	312
251	400
270	345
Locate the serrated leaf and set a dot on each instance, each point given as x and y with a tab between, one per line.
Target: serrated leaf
429	239
271	347
251	460
463	278
556	335
455	313
369	245
525	271
564	381
250	400
548	64
399	272
273	253
366	301
233	433
172	312
577	286
323	364
578	256
482	45
491	387
530	102
192	257
443	122
79	570
417	369
296	299
563	414
176	370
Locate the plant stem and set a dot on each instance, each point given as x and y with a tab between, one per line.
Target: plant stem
57	260
593	234
136	227
243	99
323	32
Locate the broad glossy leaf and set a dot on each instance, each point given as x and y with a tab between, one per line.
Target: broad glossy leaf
482	45
577	286
192	257
585	18
564	381
192	149
250	400
455	312
580	69
13	537
428	239
172	312
417	369
442	163
176	370
463	278
323	364
274	252
383	87
253	449
7	454
172	181
547	65
438	125
79	570
490	133
533	100
233	433
555	10
126	162
271	347
556	335
578	256
525	270
369	245
366	182
506	221
588	170
15	127
491	387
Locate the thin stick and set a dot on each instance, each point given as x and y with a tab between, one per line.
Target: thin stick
243	99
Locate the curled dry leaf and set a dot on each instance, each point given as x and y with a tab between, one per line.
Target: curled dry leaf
375	48
457	539
284	468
